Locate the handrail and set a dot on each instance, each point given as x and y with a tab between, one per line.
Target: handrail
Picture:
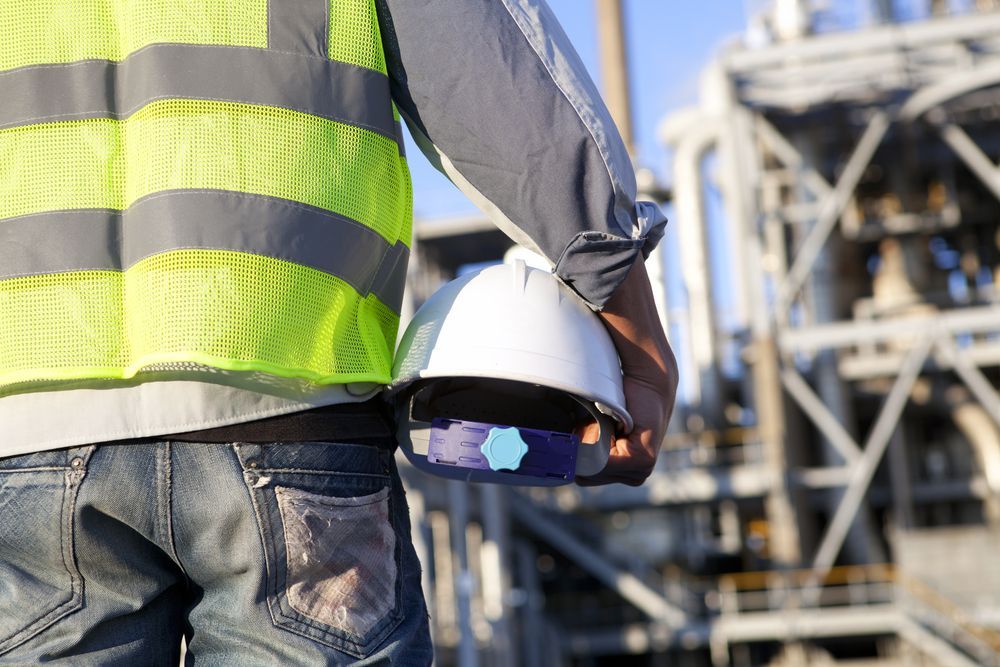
748	583
952	611
874	573
712	438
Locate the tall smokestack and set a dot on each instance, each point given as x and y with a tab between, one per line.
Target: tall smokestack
614	67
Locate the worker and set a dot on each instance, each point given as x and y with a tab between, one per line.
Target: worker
204	230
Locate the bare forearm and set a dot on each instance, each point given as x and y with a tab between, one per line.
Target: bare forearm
649	379
632	320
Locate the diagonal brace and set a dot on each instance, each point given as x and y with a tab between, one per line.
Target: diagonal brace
790	156
973	378
832	207
973	156
811	404
875	447
648	600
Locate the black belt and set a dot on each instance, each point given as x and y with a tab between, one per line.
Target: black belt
360	423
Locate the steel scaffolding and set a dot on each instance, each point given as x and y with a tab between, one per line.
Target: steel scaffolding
842	436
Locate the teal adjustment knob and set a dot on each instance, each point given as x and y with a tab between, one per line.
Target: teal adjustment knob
504	448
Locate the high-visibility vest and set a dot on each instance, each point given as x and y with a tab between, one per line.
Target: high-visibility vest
211	184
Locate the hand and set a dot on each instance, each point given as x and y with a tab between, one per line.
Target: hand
649	381
633	455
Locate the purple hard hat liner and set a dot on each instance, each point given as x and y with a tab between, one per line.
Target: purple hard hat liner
459	444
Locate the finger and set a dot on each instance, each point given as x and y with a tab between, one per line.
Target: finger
631	456
629	462
589	433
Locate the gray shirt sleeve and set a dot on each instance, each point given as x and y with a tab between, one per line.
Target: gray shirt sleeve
498	100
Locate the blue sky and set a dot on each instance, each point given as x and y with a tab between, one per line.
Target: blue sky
669	43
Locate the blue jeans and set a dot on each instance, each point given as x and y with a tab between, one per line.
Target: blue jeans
280	554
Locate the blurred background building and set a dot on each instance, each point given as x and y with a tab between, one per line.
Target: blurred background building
829	493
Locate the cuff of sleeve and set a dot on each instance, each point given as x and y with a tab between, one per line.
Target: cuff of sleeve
595	263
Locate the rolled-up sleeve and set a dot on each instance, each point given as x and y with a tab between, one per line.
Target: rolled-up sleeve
497	98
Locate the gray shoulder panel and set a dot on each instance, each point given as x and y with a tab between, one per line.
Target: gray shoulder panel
498	90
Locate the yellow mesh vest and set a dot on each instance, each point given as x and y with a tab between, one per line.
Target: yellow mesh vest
198	183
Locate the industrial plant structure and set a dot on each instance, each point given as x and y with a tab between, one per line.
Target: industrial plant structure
830	491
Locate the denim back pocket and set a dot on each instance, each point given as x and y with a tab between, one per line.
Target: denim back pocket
341	570
326	514
39	581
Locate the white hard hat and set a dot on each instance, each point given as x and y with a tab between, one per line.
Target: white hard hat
507	345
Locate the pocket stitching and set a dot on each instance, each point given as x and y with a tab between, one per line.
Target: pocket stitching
326	473
298	496
276	580
67	540
379	496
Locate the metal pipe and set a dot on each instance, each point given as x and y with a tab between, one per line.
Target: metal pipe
973	378
651	602
983	435
532	620
739	185
765	384
899	480
458	504
785	547
420	530
792	19
445	622
496	571
691	234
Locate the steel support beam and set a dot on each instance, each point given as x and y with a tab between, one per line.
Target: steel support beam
790	156
832	207
864	471
932	96
900	38
972	156
871	365
933	646
648	600
816	410
846	334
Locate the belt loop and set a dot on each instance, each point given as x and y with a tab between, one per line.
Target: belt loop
248	454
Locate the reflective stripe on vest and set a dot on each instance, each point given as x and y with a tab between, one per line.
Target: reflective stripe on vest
210	182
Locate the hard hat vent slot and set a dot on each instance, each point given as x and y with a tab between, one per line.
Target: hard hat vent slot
492	401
